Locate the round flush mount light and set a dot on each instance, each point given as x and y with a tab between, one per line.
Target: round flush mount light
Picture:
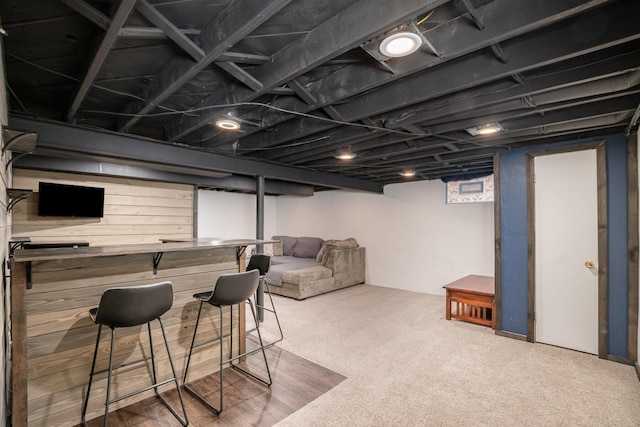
408	173
400	44
484	130
489	129
346	155
228	124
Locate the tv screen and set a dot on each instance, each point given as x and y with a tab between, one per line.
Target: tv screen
70	200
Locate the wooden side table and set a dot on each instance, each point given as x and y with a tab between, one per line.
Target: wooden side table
474	300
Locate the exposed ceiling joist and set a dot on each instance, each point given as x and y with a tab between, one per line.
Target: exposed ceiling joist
119	18
504	19
561	42
312	49
160	21
236	21
307	81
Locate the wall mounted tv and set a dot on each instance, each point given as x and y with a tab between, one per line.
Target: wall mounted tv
70	200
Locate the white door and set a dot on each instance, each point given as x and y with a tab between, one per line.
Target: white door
566	243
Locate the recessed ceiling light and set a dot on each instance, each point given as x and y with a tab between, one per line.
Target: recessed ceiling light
228	124
484	130
400	44
346	155
408	173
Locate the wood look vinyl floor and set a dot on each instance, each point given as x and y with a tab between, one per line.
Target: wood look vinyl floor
296	382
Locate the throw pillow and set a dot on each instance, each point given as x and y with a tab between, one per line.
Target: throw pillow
307	247
322	249
339	244
288	244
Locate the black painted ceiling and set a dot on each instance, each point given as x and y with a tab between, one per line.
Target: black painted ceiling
306	80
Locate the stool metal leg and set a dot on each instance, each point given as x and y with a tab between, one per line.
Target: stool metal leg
186	369
261	307
193	340
275	313
262	347
184	421
93	368
221	348
224	361
153	361
108	401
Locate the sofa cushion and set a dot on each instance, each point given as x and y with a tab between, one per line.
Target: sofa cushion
335	244
303	275
307	247
288	244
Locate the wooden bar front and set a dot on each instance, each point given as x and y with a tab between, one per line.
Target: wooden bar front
53	337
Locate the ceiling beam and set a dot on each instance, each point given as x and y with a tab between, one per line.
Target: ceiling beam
311	50
241	75
160	21
594	77
56	139
151	32
601	67
503	19
89	12
121	15
561	43
237	20
228	183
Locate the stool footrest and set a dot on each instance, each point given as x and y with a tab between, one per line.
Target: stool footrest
133	393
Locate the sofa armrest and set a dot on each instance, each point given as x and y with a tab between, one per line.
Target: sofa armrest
348	265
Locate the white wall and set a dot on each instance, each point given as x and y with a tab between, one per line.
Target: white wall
232	215
414	240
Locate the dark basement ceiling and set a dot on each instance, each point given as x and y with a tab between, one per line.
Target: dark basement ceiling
306	80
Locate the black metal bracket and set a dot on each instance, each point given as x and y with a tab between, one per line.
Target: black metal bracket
15	195
19	140
239	251
157	256
28	267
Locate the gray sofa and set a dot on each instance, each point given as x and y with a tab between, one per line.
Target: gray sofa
302	267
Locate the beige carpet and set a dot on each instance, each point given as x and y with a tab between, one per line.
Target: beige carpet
408	366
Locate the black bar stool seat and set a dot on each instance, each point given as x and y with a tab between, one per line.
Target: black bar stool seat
126	307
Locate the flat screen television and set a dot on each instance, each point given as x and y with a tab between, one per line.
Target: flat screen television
70	200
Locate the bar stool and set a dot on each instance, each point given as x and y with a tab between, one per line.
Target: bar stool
262	263
133	306
230	289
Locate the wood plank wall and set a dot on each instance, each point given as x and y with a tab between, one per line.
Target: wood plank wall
135	211
61	336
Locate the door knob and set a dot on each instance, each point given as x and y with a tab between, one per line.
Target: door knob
589	264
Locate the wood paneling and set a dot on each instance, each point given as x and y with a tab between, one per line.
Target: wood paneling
61	337
135	211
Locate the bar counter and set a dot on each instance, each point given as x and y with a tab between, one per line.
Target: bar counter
53	337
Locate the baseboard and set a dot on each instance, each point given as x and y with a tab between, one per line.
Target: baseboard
511	335
619	359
